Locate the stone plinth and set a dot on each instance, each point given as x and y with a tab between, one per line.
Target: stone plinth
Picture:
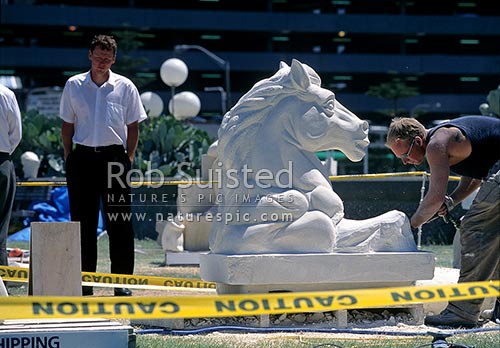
261	273
197	233
55	261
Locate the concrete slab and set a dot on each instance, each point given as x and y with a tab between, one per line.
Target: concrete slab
314	272
197	233
183	258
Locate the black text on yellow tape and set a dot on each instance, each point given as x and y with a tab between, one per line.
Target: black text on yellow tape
236	305
21	275
16	274
125	279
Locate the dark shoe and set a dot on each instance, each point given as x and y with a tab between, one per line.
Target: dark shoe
87	291
449	319
123	292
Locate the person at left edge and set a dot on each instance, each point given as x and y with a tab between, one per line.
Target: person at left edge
101	111
10	137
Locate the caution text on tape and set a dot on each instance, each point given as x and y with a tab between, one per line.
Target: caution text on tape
19	274
236	305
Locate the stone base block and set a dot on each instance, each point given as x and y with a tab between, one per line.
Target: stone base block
196	234
237	274
183	258
55	261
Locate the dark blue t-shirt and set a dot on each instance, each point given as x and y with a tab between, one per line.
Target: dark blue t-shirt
483	133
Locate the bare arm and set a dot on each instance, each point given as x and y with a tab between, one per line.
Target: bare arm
465	187
437	157
67	131
132	139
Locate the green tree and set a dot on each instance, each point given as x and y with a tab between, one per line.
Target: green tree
127	63
394	91
41	135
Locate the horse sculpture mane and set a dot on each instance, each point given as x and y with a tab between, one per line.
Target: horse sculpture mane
241	125
245	119
276	128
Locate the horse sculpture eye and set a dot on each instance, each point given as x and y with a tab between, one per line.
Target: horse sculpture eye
329	108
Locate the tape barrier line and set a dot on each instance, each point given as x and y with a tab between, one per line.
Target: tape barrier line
236	305
384	175
19	274
14	274
150	287
198	182
142	183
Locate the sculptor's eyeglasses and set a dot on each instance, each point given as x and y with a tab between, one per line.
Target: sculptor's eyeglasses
407	154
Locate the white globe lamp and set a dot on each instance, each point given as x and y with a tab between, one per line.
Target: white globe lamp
152	103
187	105
31	164
173	72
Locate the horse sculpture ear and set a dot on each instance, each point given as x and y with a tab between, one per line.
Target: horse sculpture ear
299	75
283	65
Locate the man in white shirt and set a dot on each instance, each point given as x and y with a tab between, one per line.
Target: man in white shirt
101	112
10	136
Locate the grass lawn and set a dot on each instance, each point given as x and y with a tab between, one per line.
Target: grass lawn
150	260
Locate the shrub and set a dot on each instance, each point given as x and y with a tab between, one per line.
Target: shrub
41	135
169	144
164	141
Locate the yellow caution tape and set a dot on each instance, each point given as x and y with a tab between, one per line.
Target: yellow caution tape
14	274
197	182
236	305
19	274
384	175
142	183
124	279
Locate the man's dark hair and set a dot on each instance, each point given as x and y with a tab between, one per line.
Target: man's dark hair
104	42
404	128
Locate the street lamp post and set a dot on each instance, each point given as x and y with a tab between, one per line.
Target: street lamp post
224	64
223	97
173	73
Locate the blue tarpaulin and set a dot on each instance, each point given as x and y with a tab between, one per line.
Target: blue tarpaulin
54	210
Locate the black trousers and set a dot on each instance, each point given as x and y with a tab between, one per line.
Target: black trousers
7	193
90	185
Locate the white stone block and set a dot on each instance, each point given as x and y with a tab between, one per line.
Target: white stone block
314	272
197	233
183	258
172	235
55	259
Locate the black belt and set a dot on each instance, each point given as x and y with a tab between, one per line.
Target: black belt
4	156
98	149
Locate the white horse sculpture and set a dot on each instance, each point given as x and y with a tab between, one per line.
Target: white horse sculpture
276	196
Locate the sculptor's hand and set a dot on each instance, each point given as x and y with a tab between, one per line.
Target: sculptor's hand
447	206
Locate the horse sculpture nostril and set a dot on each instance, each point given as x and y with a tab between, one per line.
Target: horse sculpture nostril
364	126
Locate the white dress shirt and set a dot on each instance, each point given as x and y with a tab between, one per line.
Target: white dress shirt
101	114
10	121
